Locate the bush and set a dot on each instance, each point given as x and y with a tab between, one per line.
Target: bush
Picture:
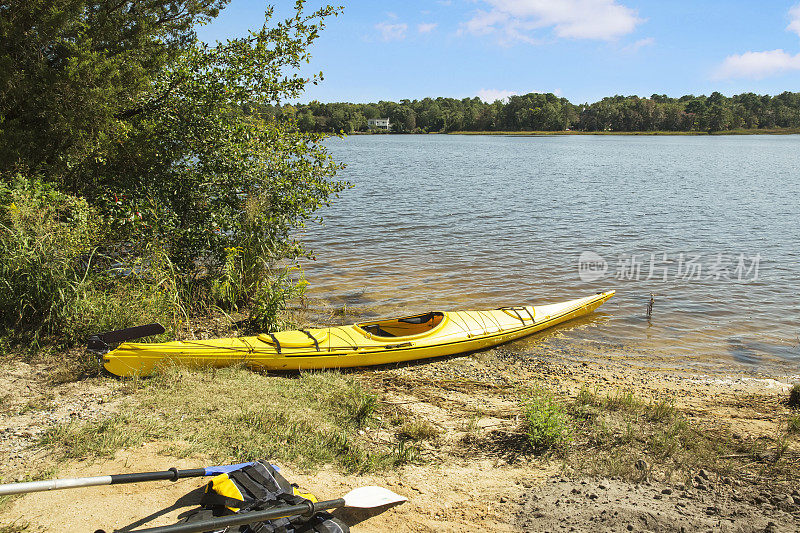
55	281
44	234
177	185
546	423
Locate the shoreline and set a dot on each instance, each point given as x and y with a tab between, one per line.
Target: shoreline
471	471
774	131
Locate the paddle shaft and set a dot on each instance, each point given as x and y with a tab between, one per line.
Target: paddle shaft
173	474
305	509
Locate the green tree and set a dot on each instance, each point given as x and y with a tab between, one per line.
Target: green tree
164	136
73	72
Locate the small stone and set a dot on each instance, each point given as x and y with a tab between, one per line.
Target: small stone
703	474
630	527
601	486
503	499
593	496
666	491
657	496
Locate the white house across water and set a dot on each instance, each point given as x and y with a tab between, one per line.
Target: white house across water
378	123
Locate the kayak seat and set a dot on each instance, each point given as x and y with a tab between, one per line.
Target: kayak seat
375	329
404	327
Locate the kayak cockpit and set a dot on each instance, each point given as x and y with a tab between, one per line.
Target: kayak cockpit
404	327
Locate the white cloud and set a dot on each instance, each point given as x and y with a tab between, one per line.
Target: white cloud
492	95
426	27
392	32
757	65
515	20
794	17
641	43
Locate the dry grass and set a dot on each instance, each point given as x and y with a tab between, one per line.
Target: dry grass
238	415
417	430
17	527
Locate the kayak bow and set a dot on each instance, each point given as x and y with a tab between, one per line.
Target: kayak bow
431	334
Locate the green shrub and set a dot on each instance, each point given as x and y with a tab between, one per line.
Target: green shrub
55	281
546	423
272	293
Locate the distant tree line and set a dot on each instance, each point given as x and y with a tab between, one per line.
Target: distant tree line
548	112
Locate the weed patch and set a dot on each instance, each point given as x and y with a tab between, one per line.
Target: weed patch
546	423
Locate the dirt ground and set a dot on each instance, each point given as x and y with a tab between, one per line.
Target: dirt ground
454	487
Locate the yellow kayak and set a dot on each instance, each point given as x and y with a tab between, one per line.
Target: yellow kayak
431	334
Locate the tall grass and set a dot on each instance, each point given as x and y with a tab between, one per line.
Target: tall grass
55	281
67	273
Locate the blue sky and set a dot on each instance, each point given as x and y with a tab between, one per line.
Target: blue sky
580	49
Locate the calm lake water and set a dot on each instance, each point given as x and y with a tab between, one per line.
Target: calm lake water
710	225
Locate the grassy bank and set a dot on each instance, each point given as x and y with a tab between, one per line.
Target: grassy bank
348	421
238	415
625	436
741	131
493	423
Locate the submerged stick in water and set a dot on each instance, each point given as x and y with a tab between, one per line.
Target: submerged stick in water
650	305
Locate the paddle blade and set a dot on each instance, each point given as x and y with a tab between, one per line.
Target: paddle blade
224	469
129	334
368	497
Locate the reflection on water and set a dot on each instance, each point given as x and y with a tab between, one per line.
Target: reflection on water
459	222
